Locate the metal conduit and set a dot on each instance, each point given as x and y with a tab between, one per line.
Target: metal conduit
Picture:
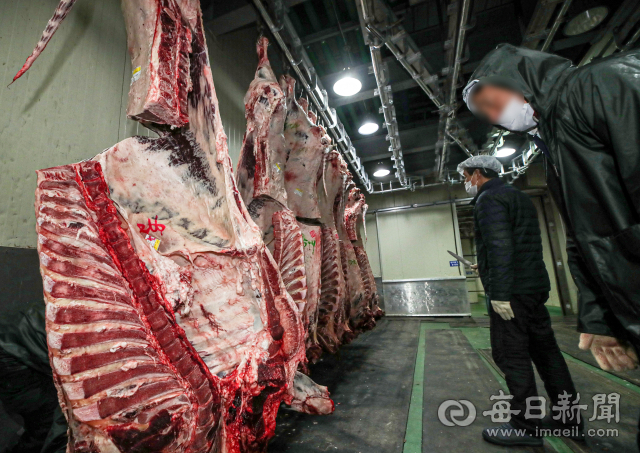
462	30
315	92
388	110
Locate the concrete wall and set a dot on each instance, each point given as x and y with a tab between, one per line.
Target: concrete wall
71	104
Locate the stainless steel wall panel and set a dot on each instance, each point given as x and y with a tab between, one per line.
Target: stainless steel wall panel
426	297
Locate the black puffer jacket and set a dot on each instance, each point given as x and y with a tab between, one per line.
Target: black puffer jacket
508	242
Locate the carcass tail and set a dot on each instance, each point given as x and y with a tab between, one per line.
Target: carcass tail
54	23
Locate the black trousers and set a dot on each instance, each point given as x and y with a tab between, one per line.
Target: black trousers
529	338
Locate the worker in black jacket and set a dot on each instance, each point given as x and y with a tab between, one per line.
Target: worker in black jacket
586	122
509	250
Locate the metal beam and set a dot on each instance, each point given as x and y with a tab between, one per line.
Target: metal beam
329	33
370	94
406	152
238	18
452	105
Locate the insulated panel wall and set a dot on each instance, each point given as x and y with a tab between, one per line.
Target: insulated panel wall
414	243
233	65
68	107
372	244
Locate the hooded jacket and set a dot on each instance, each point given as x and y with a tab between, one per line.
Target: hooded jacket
589	118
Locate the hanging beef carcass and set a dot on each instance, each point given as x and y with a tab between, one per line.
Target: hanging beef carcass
332	318
168	323
355	213
356	305
263	157
306	146
261	178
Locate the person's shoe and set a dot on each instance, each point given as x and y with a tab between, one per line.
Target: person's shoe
508	436
559	429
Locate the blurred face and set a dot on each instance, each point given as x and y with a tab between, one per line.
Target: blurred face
490	101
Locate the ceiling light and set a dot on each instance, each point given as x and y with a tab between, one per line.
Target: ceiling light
505	151
368	128
347	86
381	173
586	21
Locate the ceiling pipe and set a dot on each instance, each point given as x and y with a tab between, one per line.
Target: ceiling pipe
452	107
388	110
386	99
316	93
556	25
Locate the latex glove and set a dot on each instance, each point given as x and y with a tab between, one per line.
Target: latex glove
610	353
503	308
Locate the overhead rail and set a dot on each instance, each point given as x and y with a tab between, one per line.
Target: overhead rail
282	28
380	26
452	106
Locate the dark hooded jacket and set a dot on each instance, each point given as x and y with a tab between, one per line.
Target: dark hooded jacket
589	118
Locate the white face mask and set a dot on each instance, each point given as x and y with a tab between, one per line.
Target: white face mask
471	188
517	116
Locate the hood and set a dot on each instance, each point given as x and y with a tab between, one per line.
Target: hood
537	75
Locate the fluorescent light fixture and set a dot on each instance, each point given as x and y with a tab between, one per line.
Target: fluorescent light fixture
586	21
347	86
381	173
368	128
505	151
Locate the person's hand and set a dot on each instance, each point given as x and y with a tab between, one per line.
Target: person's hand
503	308
474	267
610	353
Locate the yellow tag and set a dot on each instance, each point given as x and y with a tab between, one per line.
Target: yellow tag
154	242
136	74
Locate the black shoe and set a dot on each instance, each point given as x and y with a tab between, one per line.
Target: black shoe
508	436
559	429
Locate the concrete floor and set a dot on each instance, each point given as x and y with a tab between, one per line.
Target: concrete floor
389	383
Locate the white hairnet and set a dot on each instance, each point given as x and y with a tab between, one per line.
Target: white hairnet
486	162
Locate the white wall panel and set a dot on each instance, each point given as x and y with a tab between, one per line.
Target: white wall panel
414	243
371	245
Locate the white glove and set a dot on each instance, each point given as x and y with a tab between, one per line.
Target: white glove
503	308
610	353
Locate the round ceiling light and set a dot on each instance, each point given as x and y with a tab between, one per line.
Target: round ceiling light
347	86
586	21
368	128
381	173
505	151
